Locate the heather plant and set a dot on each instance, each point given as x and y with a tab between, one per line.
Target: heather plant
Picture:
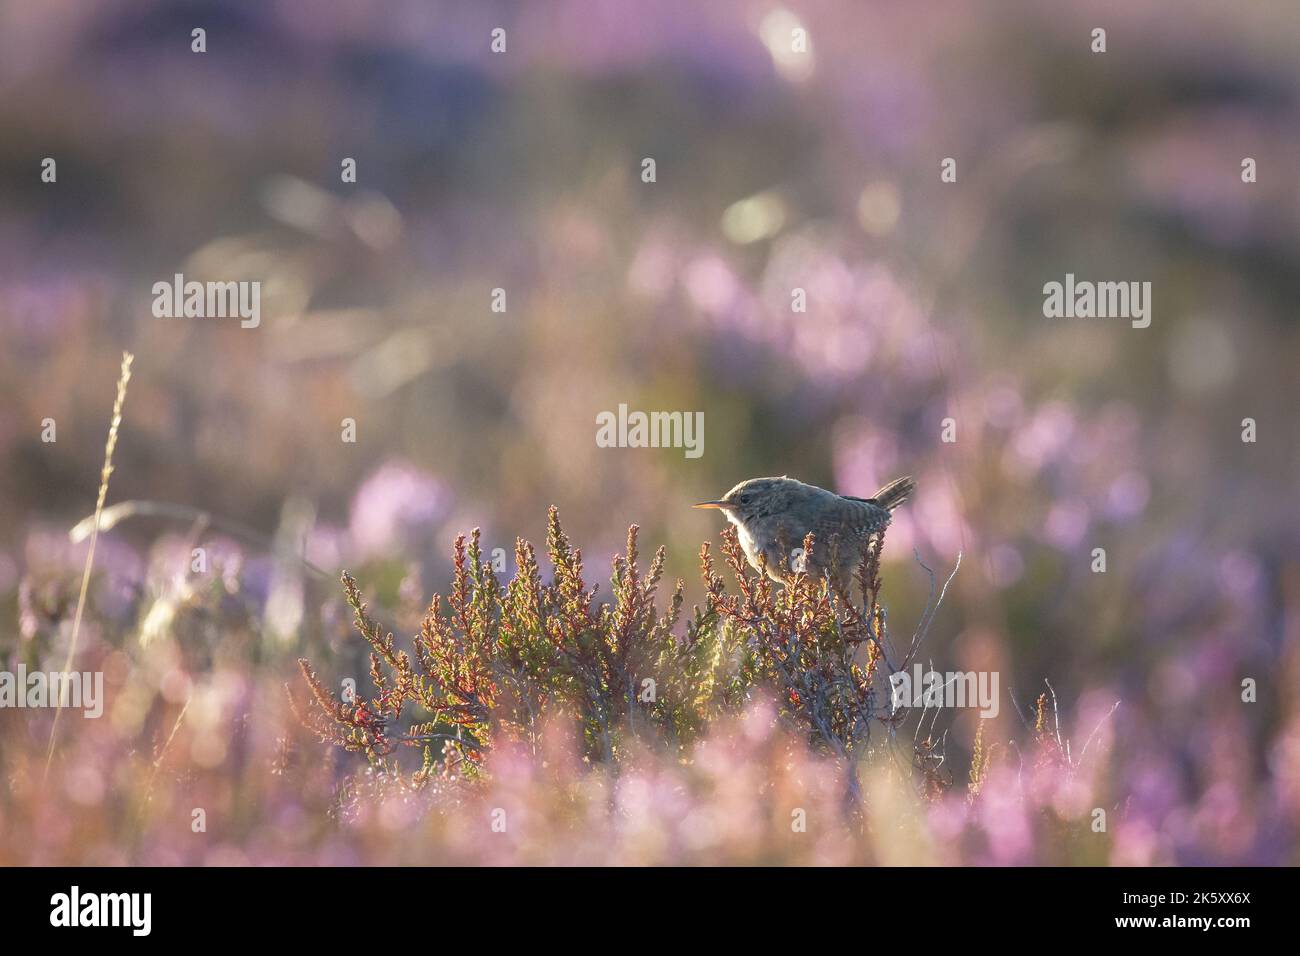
495	664
826	655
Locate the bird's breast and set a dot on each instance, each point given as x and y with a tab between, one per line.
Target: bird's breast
747	543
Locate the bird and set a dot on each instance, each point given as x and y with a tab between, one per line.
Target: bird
773	515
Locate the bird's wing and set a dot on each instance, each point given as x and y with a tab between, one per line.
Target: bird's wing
857	517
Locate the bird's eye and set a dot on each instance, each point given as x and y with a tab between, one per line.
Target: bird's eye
746	498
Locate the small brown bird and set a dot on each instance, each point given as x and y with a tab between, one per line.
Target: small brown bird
772	516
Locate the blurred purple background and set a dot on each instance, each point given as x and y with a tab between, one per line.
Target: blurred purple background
521	171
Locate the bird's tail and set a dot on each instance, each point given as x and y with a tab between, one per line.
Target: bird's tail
895	493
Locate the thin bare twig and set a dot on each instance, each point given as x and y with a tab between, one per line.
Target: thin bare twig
110	517
1088	743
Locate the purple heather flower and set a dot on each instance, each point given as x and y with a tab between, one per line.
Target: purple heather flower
395	509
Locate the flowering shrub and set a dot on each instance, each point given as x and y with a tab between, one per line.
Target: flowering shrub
491	663
495	663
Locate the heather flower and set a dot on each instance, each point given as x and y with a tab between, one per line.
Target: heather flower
396	510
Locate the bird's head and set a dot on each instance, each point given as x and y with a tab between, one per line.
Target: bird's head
757	498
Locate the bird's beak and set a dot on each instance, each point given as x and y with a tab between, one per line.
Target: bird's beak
711	504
